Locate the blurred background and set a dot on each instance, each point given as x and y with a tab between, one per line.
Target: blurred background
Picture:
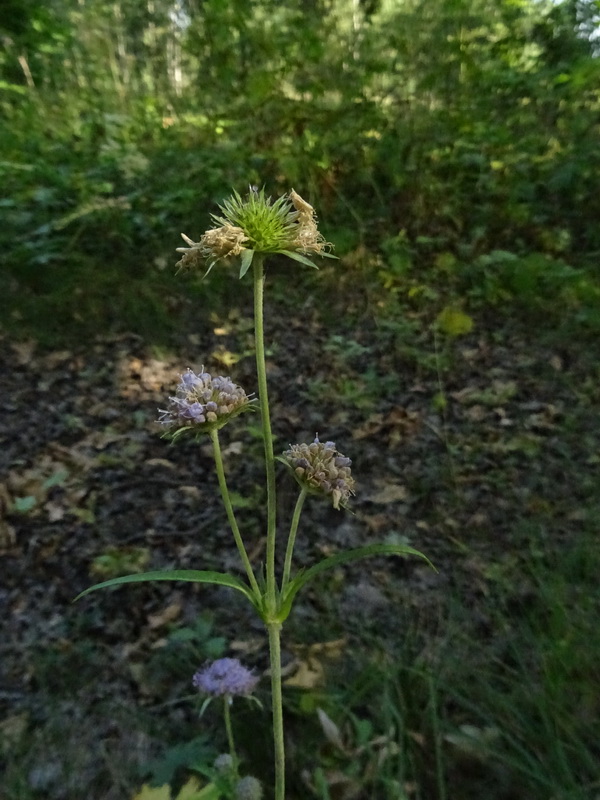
451	150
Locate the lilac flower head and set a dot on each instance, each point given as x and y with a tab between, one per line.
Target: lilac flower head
223	764
248	788
225	676
321	469
203	402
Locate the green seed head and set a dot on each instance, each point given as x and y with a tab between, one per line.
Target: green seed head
257	224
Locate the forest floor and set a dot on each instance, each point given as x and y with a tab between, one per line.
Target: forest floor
486	463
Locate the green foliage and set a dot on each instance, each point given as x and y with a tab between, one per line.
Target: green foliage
470	127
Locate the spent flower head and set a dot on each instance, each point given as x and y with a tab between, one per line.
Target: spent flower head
203	402
225	676
320	468
257	224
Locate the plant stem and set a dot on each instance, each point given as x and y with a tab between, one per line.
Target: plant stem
261	370
274	629
229	729
214	436
292	539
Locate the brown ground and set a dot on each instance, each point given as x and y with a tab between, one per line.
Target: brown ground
83	469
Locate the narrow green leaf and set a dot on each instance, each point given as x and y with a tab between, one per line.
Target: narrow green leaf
247	256
344	558
298	257
190	575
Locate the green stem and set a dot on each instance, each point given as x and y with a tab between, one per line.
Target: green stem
261	370
274	629
292	539
229	729
214	436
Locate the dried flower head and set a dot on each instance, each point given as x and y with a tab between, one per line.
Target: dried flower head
225	676
248	788
257	224
202	403
223	242
321	469
308	239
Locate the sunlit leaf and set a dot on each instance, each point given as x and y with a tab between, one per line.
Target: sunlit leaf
454	322
153	793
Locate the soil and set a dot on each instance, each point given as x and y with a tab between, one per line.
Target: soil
467	463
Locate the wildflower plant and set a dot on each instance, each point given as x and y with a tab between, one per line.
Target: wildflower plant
248	231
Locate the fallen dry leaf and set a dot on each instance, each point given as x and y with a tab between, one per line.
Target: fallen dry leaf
168	614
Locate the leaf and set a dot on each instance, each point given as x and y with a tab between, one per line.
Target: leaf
153	793
246	261
298	257
337	560
192	791
24	504
454	322
190	575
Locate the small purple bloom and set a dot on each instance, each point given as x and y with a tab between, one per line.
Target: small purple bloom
225	676
203	402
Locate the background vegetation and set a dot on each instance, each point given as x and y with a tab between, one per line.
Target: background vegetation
448	142
451	148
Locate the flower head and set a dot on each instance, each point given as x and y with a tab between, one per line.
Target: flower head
203	402
321	469
225	676
248	788
257	224
223	764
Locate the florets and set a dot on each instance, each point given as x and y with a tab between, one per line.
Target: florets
321	469
226	676
202	403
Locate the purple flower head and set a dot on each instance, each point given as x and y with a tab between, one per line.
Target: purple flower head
225	676
321	469
202	403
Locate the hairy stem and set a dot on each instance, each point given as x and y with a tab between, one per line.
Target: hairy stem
274	629
261	370
292	539
214	435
